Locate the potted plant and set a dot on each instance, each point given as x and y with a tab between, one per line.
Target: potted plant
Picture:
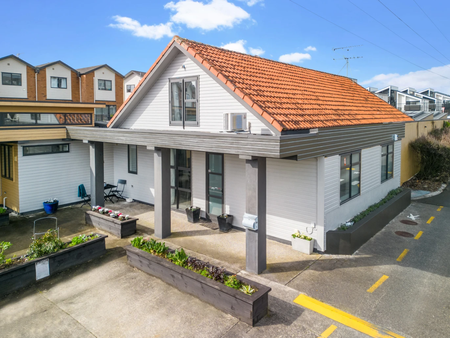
193	214
4	216
302	243
225	222
51	206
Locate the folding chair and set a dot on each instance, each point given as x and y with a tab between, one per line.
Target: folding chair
83	195
118	192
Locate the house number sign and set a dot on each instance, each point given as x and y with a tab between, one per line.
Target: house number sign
42	269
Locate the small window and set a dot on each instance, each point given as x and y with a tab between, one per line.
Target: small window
132	159
45	149
7	161
130	88
104	85
105	114
350	175
11	79
58	82
387	162
184	102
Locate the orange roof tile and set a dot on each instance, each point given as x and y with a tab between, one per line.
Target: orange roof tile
287	96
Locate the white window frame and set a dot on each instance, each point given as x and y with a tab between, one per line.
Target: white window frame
183	122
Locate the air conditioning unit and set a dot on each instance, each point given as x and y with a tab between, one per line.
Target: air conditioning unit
234	122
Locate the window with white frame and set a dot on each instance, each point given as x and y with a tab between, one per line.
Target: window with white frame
104	85
130	88
184	101
350	175
58	82
387	162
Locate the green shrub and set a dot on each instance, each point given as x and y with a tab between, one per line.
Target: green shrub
47	244
3	247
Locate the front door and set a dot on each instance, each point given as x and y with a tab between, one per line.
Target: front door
214	180
180	178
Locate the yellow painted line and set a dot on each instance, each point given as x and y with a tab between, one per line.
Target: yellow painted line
430	220
402	255
377	284
440	208
344	318
327	332
418	235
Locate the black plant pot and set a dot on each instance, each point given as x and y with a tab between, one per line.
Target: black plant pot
225	223
193	215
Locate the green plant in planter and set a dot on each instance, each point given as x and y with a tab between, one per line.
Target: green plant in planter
82	239
2	210
233	282
47	244
299	235
3	247
179	257
247	289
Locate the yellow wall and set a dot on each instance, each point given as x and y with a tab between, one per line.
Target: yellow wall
10	189
413	130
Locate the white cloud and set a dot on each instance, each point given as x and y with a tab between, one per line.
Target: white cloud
251	3
310	49
154	32
420	79
294	57
213	15
256	51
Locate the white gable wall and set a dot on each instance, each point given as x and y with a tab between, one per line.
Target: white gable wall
104	73
133	79
58	70
153	111
11	65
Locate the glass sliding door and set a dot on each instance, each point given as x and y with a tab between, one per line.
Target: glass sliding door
214	178
180	178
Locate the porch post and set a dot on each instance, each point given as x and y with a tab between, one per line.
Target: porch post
162	193
97	173
255	172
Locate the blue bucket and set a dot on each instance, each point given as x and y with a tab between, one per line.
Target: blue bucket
50	208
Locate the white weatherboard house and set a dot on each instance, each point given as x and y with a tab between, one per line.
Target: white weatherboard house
233	133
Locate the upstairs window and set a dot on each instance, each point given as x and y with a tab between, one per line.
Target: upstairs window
58	82
104	85
11	79
387	162
184	101
130	88
350	176
7	161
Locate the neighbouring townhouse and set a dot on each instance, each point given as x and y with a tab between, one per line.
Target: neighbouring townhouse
130	81
232	133
38	160
427	107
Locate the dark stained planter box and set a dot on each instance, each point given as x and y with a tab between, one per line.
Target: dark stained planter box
24	274
249	309
193	215
225	224
4	218
111	225
347	242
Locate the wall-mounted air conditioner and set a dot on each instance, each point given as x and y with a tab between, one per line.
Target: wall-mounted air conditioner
234	122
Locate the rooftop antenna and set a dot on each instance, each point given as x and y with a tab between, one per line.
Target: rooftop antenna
17	54
347	58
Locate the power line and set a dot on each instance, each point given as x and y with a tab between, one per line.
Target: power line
397	34
432	21
420	36
360	37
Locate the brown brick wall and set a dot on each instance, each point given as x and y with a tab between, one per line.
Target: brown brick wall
75	87
119	91
42	85
87	87
31	84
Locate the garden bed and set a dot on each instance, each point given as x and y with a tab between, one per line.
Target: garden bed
346	242
111	225
4	217
248	308
22	275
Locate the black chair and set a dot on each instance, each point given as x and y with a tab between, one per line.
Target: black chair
118	192
83	195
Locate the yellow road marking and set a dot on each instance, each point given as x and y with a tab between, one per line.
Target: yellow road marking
418	235
402	255
431	219
344	318
377	284
440	208
327	332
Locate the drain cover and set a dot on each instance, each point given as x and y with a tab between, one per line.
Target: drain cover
404	234
407	221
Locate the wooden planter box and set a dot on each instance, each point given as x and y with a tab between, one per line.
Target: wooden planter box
303	245
4	218
24	274
249	309
111	225
347	242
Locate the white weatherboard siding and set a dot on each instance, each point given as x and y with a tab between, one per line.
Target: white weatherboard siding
372	190
11	65
53	176
153	111
58	70
198	179
139	186
234	188
292	198
104	95
108	162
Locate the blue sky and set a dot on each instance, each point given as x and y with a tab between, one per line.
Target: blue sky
131	35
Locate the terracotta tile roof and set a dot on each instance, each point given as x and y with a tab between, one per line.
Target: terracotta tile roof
291	97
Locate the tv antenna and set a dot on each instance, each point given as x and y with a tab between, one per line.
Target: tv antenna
347	58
